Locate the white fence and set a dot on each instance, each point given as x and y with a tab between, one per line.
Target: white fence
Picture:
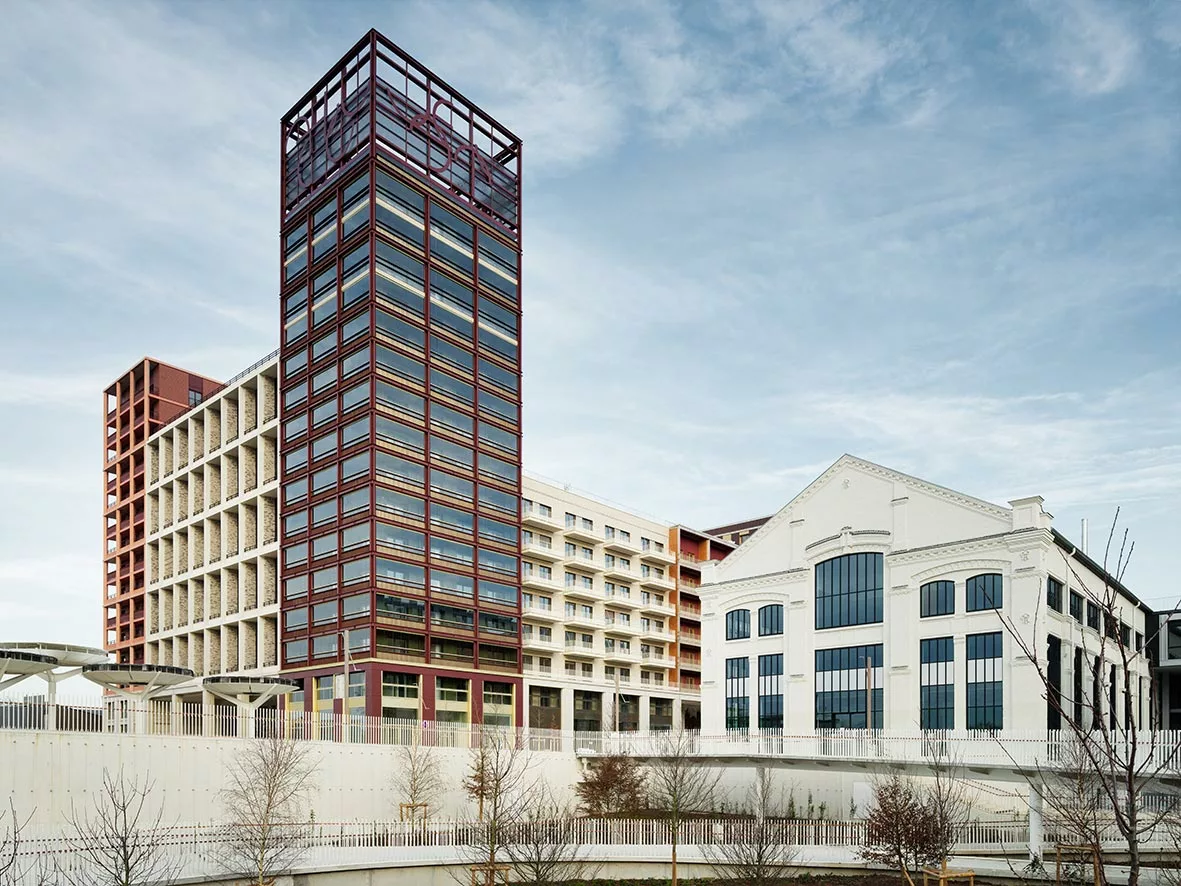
1005	750
196	852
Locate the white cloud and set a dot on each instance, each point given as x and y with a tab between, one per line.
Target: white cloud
1092	50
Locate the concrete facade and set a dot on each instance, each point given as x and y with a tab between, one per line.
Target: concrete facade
212	543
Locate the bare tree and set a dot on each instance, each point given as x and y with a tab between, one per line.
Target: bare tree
758	851
543	848
1110	752
11	828
418	780
118	840
611	785
266	804
498	780
679	785
894	826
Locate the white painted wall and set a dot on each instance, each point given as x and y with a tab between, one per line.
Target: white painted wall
925	533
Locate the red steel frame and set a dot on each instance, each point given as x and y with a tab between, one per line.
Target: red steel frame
471	164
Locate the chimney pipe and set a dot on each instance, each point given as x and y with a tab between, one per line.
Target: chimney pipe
1084	538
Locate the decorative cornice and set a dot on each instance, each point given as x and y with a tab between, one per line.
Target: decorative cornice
962	546
874	470
975	566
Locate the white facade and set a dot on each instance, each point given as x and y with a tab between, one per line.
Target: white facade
925	533
598	612
213	541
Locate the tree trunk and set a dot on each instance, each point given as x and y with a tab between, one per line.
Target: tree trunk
674	880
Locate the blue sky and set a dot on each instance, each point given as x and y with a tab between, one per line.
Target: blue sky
944	237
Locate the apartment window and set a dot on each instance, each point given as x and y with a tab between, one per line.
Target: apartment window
737	693
494	374
400	538
325	512
844	677
400	573
295	650
324	646
1076	606
324	580
984	592
354	362
295	619
985	704
937	683
391	502
324	613
390	431
771	691
770	620
356	571
937	598
295	587
495	592
295	554
849	591
738	624
401	365
1053	593
400	608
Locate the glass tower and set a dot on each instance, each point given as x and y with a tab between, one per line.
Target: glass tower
400	396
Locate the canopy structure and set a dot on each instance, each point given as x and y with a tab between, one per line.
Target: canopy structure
16	665
139	682
248	693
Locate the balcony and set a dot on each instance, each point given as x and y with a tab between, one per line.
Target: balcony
533	642
616	655
619	601
535	581
657	660
541	550
535	517
652	580
615	572
540	613
690	609
651	555
664	608
662	635
618	545
585	564
619	628
579	619
544	670
579	531
580	649
580	592
693	638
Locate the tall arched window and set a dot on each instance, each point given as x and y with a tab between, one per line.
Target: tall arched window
849	591
738	624
937	598
985	592
770	620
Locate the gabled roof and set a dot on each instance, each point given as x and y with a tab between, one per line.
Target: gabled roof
868	467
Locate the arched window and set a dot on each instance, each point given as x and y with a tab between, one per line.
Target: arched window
937	598
985	592
738	624
849	591
770	620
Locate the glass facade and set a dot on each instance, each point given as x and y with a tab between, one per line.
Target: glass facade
400	386
985	709
737	693
937	683
849	591
846	679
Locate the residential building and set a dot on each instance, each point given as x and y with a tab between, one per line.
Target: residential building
691	550
400	396
601	612
737	533
876	597
213	544
135	406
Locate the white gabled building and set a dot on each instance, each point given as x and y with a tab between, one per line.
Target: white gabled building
874	585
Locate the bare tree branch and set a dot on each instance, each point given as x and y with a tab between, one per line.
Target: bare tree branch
755	851
118	840
611	785
418	779
679	784
543	847
266	804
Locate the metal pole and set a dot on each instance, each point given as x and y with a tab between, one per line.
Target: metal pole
617	698
345	720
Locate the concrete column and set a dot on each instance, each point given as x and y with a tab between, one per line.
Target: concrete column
645	713
678	723
175	715
208	713
567	709
1036	831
